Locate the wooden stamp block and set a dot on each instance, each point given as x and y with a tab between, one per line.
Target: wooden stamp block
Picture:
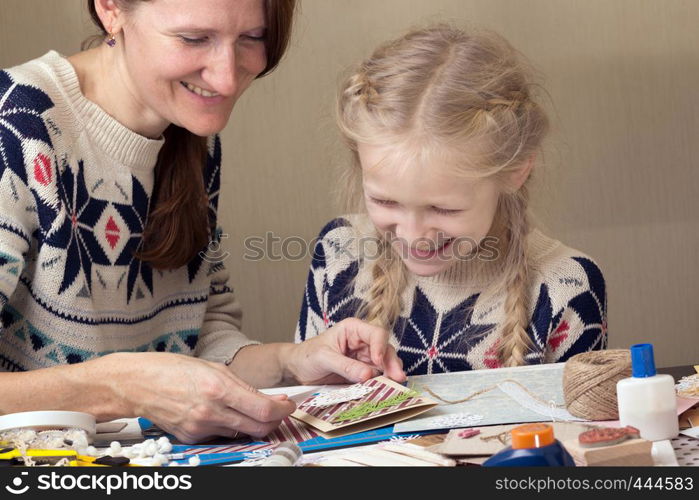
632	452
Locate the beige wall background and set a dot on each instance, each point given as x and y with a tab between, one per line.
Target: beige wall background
620	179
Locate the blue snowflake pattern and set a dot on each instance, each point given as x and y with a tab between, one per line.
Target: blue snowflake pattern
548	330
338	298
438	342
21	107
135	216
76	232
539	326
591	307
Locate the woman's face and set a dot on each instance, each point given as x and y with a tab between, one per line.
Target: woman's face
187	62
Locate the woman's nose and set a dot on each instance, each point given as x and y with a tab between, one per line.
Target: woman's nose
220	73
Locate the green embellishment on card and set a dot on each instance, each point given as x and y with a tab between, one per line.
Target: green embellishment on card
363	409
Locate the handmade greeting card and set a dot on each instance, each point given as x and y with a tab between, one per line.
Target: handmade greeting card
375	403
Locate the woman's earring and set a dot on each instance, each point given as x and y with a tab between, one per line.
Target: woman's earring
111	40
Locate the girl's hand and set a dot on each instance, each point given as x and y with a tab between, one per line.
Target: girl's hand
350	351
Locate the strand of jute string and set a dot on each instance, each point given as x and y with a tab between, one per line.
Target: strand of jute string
488	389
504	436
589	385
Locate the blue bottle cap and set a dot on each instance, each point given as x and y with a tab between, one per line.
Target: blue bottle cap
642	361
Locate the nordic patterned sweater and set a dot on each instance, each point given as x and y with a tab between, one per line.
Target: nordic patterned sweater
444	326
75	187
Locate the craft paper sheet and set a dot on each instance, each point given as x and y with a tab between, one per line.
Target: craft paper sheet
507	405
396	452
491	440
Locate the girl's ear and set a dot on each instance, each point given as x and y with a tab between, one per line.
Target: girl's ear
517	178
110	14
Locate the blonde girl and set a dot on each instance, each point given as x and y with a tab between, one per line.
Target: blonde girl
444	129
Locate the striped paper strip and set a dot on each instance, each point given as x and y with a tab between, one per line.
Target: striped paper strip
291	430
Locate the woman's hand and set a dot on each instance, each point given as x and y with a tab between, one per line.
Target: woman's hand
196	399
352	350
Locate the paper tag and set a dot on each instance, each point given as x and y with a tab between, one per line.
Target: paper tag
688	387
453	420
691	432
330	398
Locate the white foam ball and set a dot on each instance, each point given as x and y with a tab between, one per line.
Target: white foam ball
164	445
150	448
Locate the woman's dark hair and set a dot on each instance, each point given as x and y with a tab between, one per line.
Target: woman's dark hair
178	224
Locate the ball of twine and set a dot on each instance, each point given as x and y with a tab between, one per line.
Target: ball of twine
589	383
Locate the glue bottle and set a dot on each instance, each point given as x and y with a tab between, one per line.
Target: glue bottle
646	400
533	445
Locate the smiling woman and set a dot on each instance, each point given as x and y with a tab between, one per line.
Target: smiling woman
190	74
109	183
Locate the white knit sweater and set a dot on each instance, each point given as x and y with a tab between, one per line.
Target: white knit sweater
75	188
447	323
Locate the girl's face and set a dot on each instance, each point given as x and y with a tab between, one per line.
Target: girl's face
432	216
187	62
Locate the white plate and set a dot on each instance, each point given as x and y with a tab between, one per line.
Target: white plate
49	420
